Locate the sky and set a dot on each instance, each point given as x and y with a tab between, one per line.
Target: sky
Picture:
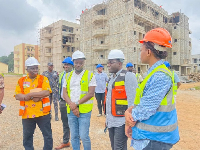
21	20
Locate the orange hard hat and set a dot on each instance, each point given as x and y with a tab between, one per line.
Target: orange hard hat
158	36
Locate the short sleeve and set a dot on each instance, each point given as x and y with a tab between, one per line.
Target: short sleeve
46	85
93	81
65	84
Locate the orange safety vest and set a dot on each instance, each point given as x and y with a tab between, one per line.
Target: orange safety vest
119	103
45	101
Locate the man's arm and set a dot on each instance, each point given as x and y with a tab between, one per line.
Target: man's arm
1	94
88	96
130	87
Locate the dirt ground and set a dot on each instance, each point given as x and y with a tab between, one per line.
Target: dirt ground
188	107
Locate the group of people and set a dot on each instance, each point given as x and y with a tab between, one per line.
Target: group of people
142	110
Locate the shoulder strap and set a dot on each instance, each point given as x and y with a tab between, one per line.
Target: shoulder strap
20	82
40	81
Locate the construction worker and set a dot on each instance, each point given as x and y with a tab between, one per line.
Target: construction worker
120	95
129	67
53	79
1	89
176	78
138	76
78	92
101	79
32	91
68	67
152	122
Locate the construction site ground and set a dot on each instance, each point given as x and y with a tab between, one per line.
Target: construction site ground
188	107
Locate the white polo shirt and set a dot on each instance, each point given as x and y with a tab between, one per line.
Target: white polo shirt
75	86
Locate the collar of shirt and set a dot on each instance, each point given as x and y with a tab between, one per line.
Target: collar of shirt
158	63
117	73
80	74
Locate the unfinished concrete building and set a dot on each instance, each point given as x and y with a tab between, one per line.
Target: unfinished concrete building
196	63
120	24
58	41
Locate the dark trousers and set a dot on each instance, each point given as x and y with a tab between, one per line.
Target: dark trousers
155	145
53	98
100	101
64	118
29	125
118	138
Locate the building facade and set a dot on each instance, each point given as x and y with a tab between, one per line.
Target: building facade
21	53
57	41
3	68
120	24
196	62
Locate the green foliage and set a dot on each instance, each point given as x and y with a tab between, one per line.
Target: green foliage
9	60
197	88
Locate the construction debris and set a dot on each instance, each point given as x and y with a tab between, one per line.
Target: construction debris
195	77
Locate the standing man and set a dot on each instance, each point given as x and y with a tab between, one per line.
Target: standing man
129	67
101	79
78	92
68	67
120	95
1	89
53	79
152	123
176	78
138	76
32	91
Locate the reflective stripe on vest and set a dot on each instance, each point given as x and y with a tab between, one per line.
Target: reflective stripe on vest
45	101
85	80
60	84
162	126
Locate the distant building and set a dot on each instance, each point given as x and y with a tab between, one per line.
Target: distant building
196	62
3	68
57	41
21	53
120	24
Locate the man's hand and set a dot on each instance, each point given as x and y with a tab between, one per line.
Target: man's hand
72	106
36	99
128	131
76	112
27	97
128	117
0	109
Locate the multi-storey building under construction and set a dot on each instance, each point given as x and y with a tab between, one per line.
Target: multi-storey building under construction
57	41
120	24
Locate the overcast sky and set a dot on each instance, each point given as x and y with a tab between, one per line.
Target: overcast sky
20	20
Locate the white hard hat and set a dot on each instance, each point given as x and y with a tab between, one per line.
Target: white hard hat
116	54
31	61
77	54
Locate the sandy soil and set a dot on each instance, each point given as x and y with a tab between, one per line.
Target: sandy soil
188	106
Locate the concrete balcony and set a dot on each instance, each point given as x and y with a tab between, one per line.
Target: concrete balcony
68	44
48	35
64	33
100	47
48	54
99	61
139	28
30	52
99	7
99	18
48	45
16	52
16	59
100	32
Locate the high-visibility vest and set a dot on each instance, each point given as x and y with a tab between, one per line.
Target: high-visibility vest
45	101
85	80
119	103
163	125
60	84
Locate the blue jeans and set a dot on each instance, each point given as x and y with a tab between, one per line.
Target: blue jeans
156	145
79	128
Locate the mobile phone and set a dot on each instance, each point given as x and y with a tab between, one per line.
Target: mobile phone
3	106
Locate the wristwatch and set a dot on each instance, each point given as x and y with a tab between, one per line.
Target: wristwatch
77	103
31	98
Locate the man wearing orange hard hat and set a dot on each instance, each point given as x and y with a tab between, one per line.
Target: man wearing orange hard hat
152	121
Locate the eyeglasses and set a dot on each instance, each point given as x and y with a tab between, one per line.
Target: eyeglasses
111	62
32	69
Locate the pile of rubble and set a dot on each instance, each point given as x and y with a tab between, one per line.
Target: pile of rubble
195	77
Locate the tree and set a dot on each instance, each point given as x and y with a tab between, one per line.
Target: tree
9	60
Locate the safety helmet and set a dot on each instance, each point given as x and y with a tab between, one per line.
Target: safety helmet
116	54
129	65
158	36
68	60
99	65
77	55
167	64
31	61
